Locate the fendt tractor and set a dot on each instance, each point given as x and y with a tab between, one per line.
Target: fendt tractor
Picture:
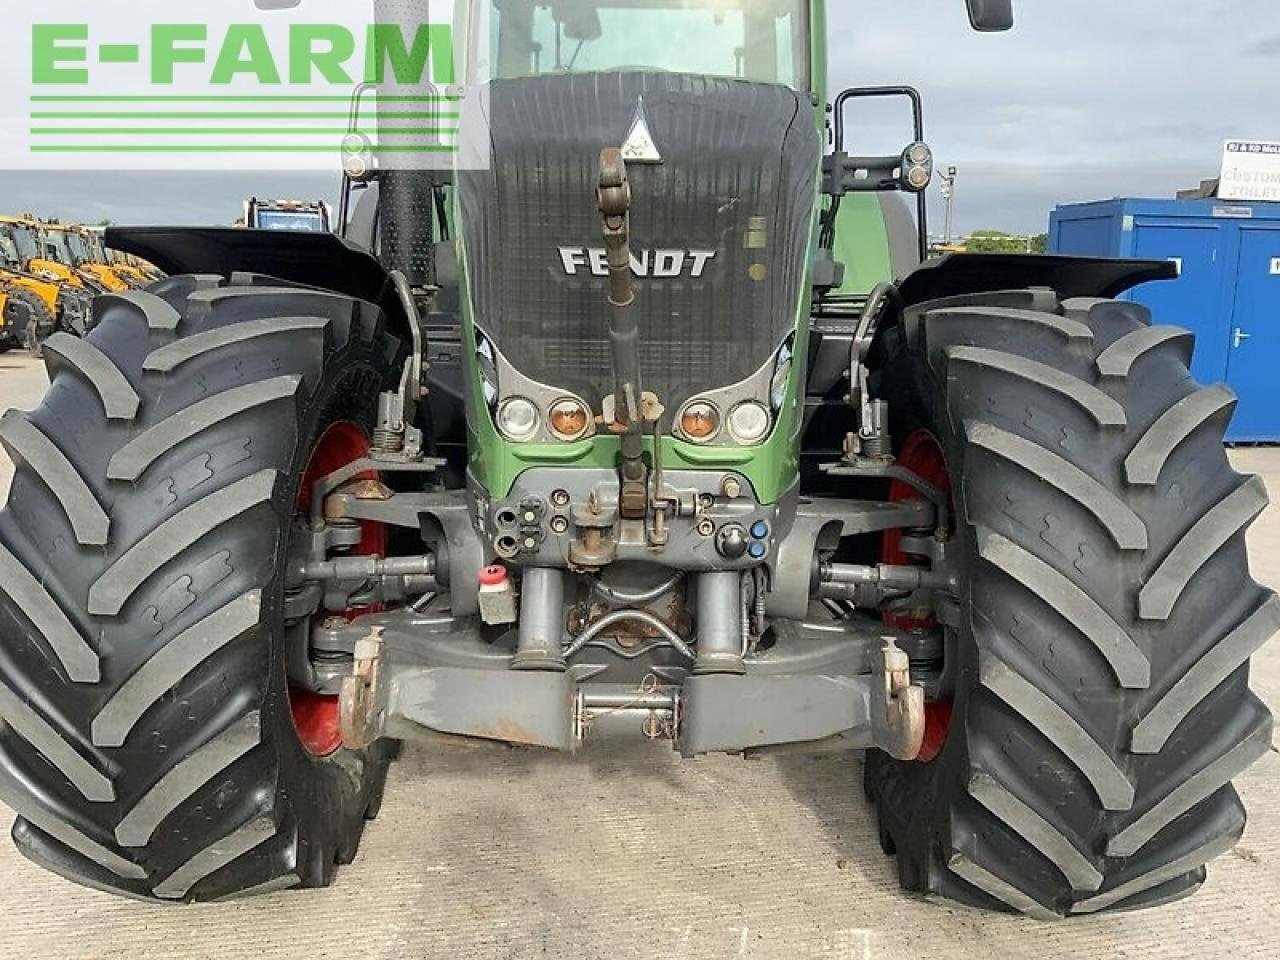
659	427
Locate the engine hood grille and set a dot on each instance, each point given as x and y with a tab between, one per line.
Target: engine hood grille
735	191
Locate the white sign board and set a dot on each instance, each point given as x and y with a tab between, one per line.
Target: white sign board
1250	171
243	85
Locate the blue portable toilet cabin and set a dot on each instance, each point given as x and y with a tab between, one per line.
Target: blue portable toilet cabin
1228	292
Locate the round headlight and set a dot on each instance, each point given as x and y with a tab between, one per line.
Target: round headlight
569	419
749	422
518	419
699	421
781	373
357	155
919	154
355	166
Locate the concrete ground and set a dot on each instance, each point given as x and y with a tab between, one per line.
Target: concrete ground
505	854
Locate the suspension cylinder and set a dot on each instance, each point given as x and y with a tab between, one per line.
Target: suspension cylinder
542	622
720	637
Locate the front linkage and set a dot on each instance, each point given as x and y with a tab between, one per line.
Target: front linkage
718	617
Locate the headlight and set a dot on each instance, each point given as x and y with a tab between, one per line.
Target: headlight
749	422
781	374
569	419
917	167
518	419
699	421
357	156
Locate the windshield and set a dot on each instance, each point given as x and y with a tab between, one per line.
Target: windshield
299	221
23	241
93	247
55	248
79	250
765	41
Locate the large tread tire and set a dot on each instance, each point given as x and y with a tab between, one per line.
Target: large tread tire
1100	665
147	745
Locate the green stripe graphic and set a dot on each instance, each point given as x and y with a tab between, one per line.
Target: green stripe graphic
97	115
372	98
236	131
229	148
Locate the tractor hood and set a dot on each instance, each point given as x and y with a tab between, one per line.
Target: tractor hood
724	179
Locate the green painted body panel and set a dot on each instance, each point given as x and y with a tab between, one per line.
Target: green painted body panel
862	243
818	46
772	467
496	463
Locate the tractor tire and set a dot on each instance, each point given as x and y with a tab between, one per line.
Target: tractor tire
42	322
149	747
1097	664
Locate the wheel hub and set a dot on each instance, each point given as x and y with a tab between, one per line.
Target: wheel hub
316	715
923	456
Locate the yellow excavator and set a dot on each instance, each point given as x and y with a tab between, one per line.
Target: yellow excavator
68	251
54	298
15	319
134	271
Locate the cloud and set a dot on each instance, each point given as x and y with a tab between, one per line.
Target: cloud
1265	47
171	199
1081	100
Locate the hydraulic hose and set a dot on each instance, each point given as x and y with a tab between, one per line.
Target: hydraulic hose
621	616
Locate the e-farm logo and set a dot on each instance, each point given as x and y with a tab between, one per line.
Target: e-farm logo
255	89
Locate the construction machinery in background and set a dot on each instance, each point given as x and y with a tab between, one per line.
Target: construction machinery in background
76	255
108	265
46	254
15	315
135	271
53	301
658	427
297	216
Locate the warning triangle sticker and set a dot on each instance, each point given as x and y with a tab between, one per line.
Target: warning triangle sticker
639	146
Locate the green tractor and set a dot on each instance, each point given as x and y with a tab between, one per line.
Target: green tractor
661	428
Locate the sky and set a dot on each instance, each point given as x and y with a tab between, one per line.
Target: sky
1084	99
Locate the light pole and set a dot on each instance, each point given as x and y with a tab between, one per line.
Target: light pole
949	194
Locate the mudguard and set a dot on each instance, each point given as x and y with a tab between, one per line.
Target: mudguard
321	260
959	274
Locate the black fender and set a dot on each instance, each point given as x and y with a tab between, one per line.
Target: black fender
961	274
322	260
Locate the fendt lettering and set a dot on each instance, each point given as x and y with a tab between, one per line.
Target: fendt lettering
659	264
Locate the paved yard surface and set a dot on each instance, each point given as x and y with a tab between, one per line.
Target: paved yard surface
504	854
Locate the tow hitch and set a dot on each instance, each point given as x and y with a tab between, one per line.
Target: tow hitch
855	694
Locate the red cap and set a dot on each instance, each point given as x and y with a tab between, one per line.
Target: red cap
494	576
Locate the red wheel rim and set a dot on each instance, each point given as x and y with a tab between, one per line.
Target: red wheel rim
923	456
315	715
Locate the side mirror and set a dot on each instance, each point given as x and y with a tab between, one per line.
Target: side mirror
991	16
